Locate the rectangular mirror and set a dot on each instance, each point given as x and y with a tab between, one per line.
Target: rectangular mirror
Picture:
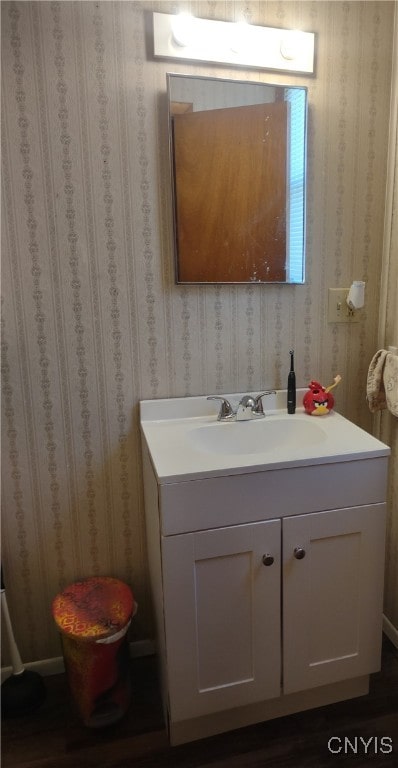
238	159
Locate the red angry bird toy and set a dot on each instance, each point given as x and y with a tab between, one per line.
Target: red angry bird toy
318	400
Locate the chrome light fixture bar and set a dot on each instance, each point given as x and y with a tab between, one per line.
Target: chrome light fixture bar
244	45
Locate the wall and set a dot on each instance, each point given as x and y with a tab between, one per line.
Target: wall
92	321
386	425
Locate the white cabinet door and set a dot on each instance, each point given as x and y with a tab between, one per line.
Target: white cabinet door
332	597
222	618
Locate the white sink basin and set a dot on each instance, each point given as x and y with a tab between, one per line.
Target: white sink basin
257	436
186	442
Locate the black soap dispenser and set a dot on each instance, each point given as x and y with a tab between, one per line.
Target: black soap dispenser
291	386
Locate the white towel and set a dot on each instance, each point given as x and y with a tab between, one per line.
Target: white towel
375	391
382	383
390	380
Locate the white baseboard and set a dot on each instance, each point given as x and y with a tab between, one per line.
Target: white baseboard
390	631
55	666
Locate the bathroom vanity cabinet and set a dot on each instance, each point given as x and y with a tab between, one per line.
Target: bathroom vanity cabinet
267	588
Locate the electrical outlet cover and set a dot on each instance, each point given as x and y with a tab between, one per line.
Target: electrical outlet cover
338	311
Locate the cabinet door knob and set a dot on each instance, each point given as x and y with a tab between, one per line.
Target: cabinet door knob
268	559
299	553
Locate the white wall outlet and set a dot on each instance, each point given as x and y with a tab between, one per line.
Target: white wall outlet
338	310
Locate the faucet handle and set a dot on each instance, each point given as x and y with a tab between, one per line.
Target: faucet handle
258	407
226	410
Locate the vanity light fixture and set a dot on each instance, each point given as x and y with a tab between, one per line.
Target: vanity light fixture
182	36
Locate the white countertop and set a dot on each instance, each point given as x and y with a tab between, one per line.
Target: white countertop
170	429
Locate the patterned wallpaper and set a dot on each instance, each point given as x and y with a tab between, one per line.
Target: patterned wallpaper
386	426
92	319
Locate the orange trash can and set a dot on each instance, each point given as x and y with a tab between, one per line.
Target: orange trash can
93	616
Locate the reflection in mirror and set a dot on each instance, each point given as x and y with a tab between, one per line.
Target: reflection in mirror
238	155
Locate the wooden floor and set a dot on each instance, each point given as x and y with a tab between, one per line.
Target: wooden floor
54	738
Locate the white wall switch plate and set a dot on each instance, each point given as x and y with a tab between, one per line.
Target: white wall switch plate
338	311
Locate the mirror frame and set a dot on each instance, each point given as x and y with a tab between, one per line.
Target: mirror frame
178	281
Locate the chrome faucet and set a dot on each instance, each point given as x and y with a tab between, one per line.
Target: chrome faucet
226	412
248	409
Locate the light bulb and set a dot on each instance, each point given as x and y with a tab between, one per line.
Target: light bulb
239	36
290	44
182	27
